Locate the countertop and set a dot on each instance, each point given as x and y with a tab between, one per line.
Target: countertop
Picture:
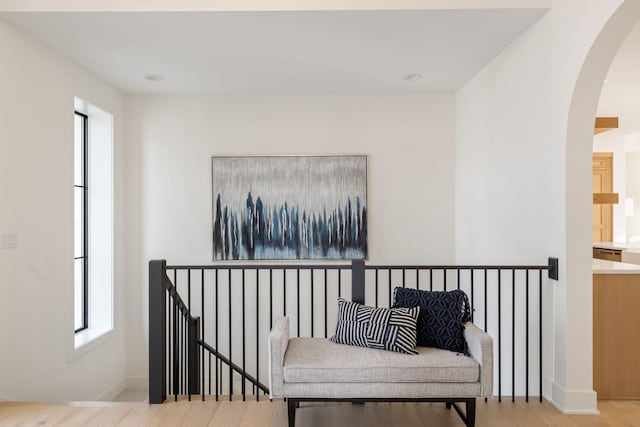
621	246
601	266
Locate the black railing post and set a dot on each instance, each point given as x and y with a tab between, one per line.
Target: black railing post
357	281
193	354
157	332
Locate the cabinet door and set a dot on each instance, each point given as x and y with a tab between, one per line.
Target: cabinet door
603	183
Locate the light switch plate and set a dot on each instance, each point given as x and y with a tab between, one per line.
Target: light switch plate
8	241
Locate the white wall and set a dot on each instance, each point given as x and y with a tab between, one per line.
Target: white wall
170	141
523	172
633	190
36	279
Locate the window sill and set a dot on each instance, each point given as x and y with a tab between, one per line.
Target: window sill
88	339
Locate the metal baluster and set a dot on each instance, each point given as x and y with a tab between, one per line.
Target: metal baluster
230	342
526	328
298	300
540	326
270	298
499	338
257	332
325	303
376	288
202	337
513	335
390	301
187	347
176	330
485	300
244	372
312	330
218	389
473	306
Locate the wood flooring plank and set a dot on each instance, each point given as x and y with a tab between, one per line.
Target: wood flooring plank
610	412
404	414
139	416
38	415
492	414
551	415
200	413
279	416
110	416
521	413
257	413
170	413
229	414
79	417
437	414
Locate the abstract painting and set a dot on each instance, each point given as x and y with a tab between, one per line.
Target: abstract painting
289	207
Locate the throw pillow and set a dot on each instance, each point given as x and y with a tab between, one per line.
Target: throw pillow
391	329
442	316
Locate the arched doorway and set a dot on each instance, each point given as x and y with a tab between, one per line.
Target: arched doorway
576	298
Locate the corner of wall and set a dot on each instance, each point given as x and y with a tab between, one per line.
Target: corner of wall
574	402
113	392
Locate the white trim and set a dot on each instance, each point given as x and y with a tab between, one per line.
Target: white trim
113	392
575	402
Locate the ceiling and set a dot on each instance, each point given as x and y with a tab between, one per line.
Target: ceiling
280	52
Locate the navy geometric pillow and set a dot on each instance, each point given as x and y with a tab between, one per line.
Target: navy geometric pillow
442	316
391	329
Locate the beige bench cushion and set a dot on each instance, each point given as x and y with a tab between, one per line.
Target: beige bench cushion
315	360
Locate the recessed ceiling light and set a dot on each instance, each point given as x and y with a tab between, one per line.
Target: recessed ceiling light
153	77
412	77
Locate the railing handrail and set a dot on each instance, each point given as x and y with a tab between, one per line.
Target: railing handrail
261	267
456	267
348	267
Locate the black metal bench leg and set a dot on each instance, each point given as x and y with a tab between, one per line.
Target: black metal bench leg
292	404
447	405
471	412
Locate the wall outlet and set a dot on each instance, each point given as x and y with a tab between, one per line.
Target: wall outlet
8	240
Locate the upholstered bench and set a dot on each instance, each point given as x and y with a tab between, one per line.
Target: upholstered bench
316	369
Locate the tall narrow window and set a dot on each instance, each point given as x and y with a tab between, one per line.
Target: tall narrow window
81	222
93	218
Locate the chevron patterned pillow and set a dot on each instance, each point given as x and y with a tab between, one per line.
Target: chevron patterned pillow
391	329
442	316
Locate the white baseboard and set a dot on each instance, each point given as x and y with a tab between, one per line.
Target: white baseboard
138	383
574	402
113	392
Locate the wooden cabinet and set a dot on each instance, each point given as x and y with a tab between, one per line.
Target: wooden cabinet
608	254
616	341
602	183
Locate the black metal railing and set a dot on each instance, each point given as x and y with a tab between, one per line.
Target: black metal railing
214	341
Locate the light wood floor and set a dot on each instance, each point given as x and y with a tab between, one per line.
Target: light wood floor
265	413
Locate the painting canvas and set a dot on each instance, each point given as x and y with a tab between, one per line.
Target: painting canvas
289	207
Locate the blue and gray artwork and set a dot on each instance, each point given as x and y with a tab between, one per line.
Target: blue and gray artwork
289	207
